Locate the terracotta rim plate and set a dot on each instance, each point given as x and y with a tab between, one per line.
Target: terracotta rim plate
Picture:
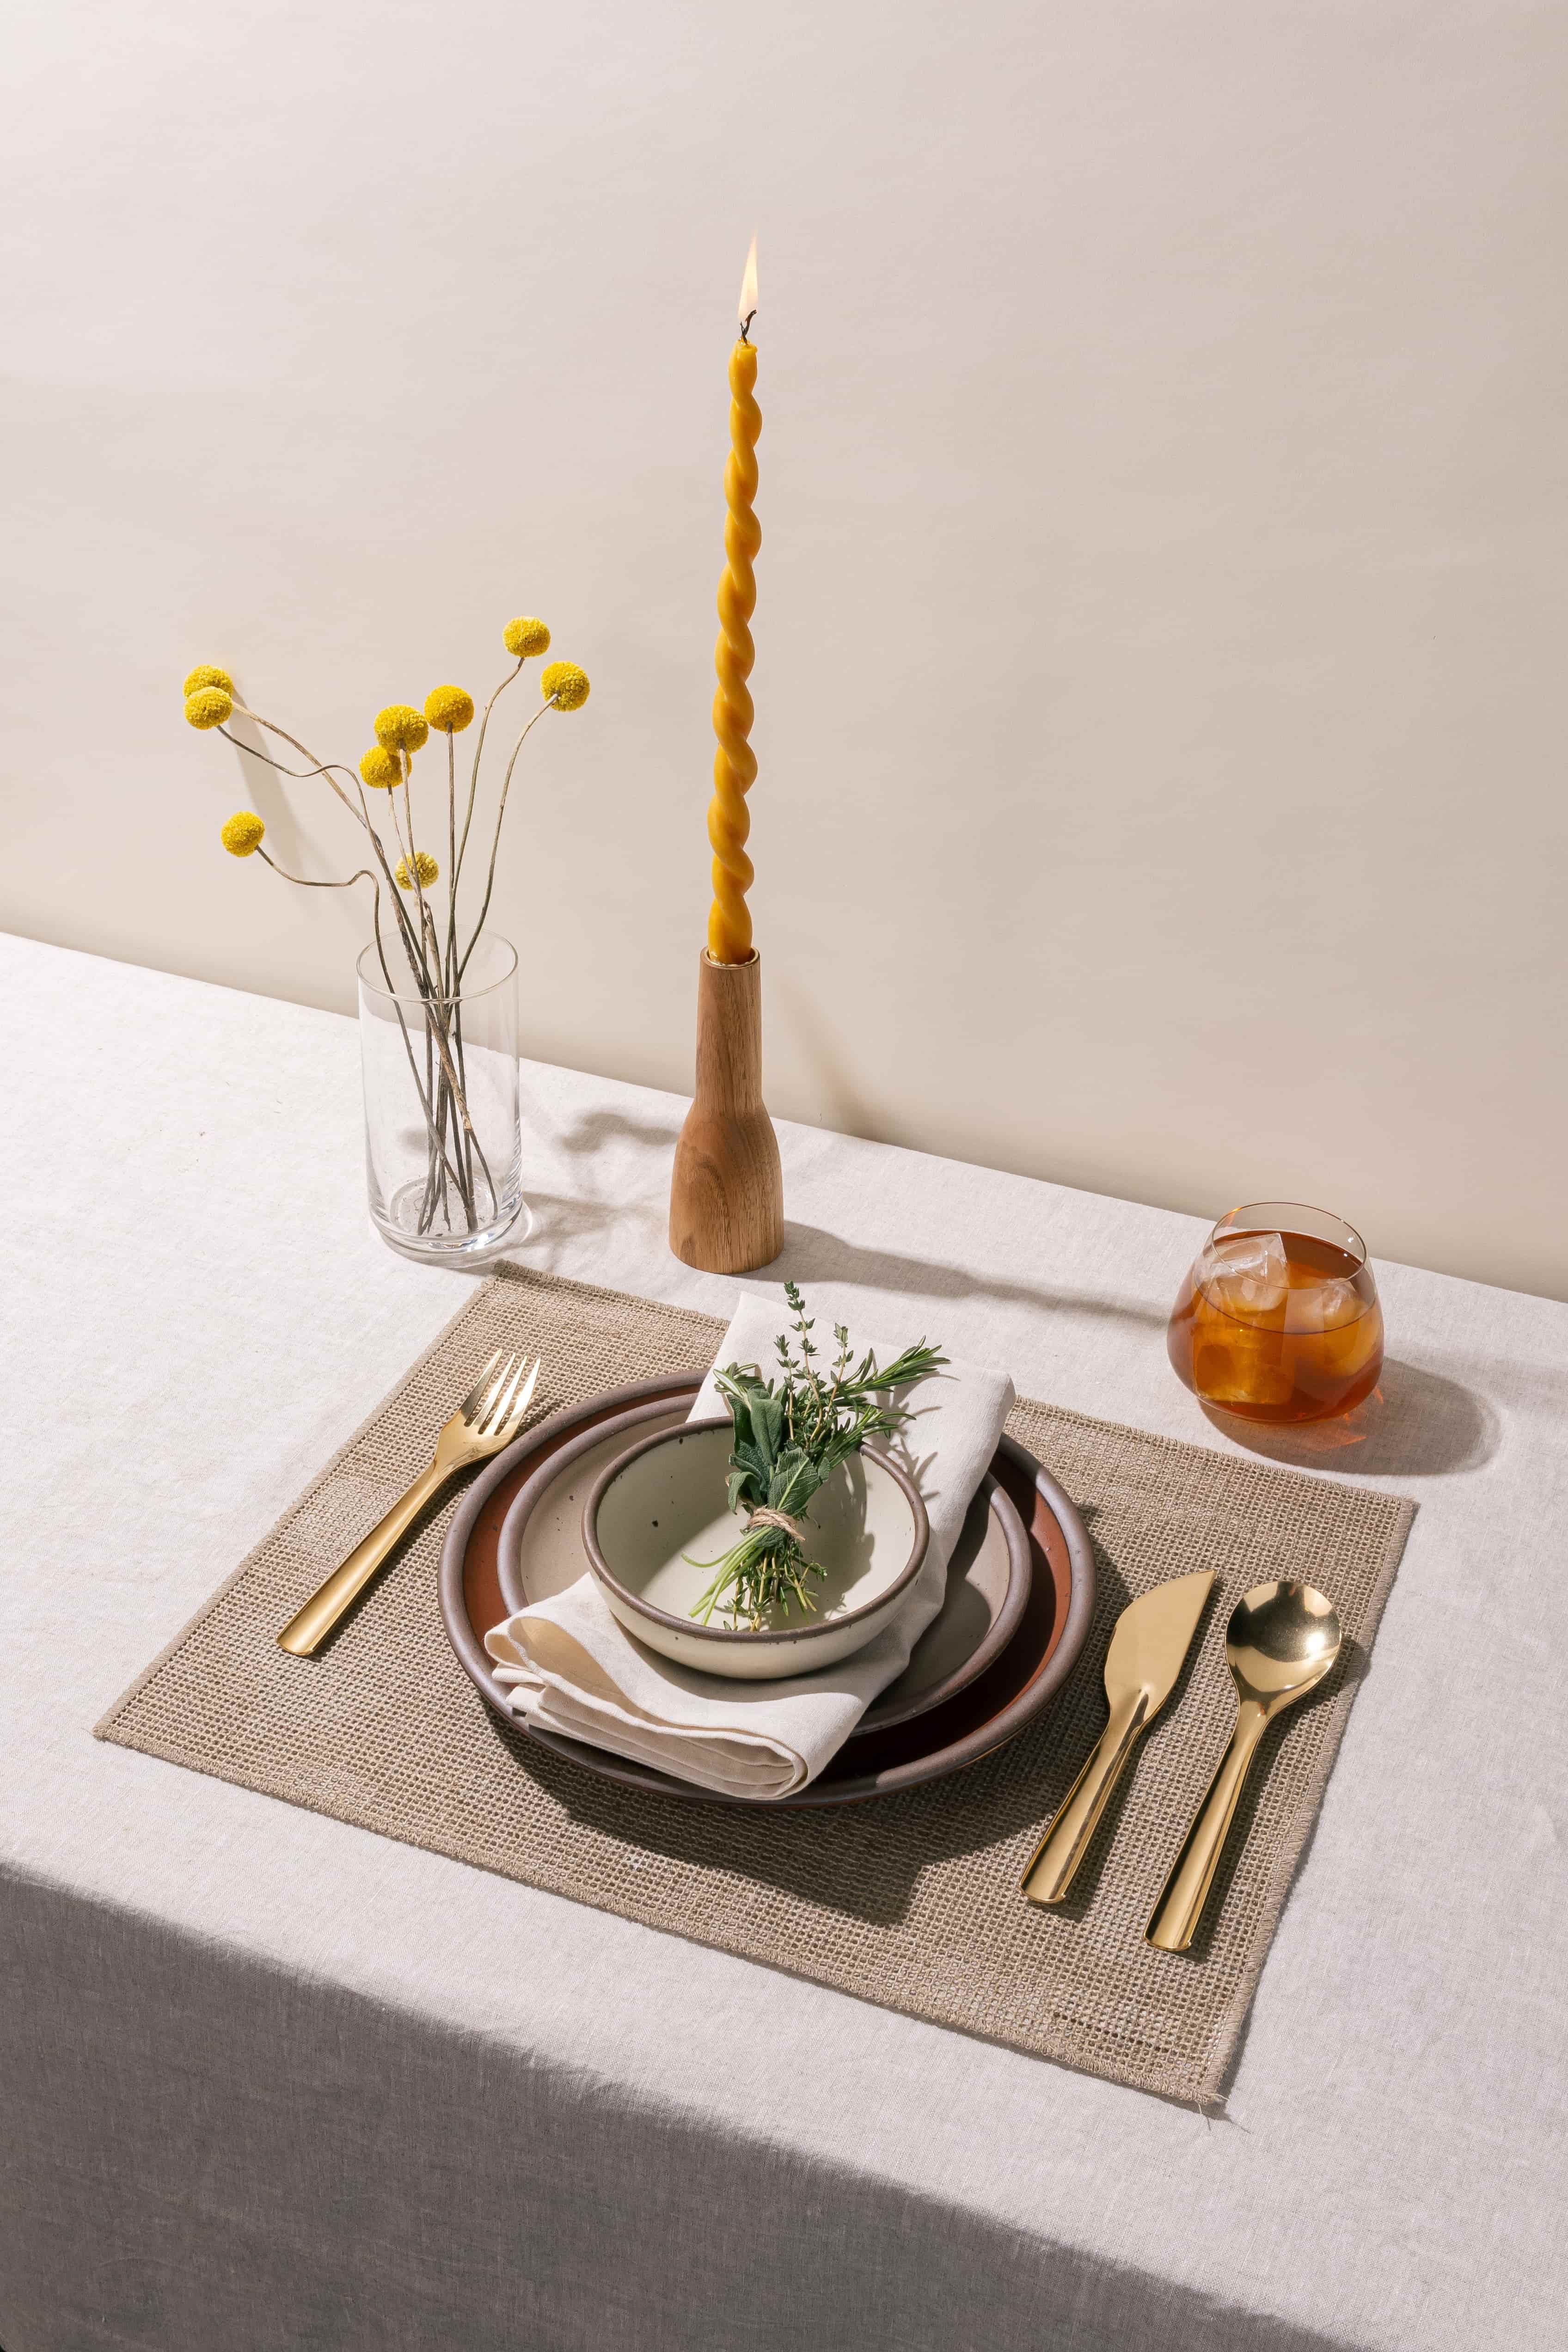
536	1529
942	1665
1017	1685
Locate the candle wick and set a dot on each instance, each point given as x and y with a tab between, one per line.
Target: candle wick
745	326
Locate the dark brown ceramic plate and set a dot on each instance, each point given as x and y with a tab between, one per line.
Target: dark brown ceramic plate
923	1734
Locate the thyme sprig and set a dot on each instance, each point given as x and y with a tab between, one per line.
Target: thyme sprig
790	1435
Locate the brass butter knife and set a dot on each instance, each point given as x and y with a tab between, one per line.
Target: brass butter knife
1153	1634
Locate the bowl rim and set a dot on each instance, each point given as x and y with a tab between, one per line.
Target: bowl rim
728	1635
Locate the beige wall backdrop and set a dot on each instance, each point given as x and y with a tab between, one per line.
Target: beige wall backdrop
1161	630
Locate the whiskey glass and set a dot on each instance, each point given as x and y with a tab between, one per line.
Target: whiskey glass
1277	1320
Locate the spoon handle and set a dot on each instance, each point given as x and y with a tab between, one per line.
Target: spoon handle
1056	1857
1181	1907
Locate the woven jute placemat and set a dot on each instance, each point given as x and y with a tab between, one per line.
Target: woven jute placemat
911	1900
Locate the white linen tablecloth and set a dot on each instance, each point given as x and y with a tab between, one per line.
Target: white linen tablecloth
270	2081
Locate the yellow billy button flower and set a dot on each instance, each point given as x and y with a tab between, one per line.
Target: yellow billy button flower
564	685
525	635
208	674
448	709
242	833
208	707
424	866
400	728
381	768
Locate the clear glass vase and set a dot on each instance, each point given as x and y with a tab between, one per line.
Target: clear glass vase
442	1146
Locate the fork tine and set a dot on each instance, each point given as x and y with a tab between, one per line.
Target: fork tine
495	1389
484	1385
500	1387
526	1398
506	1408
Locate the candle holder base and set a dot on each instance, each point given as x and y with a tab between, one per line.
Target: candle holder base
726	1196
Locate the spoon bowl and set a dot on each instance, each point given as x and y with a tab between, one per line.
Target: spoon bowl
1281	1640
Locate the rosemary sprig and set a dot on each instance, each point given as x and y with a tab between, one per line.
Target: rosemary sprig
790	1435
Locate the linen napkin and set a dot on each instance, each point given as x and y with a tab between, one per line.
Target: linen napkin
567	1663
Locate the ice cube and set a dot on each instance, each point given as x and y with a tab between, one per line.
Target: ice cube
1326	1306
1247	1276
1243	1372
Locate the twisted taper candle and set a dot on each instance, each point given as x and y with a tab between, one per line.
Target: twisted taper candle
734	761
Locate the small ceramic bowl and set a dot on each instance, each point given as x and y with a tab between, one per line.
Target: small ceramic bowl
661	1507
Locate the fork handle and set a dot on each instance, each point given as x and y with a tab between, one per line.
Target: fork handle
310	1626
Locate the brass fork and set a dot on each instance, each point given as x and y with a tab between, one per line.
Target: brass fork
489	1418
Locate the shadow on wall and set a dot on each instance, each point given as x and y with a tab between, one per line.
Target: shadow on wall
262	789
821	1049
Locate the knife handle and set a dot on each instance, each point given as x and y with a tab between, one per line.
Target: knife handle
1055	1861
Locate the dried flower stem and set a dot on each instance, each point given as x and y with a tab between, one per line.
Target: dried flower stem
495	845
437	962
474	770
361	814
305	882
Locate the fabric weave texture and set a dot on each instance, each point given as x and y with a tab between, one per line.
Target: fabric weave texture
911	1901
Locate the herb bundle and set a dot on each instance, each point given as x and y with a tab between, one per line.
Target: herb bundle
790	1436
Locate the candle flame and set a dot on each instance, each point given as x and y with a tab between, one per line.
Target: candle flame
749	287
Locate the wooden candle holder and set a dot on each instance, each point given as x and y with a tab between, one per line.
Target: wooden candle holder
726	1199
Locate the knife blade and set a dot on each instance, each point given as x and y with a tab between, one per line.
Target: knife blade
1153	1636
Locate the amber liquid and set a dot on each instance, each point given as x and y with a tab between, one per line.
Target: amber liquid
1300	1341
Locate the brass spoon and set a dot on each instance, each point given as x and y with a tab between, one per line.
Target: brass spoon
1281	1640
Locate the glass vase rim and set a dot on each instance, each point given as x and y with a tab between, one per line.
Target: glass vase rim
1258	1224
368	962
